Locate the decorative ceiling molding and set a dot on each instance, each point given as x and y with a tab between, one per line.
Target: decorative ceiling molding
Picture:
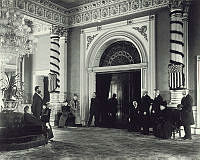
92	12
108	9
43	10
39	27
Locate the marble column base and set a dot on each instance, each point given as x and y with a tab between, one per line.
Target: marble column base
54	97
55	107
176	96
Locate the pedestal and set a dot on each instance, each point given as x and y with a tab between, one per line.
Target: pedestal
176	96
55	107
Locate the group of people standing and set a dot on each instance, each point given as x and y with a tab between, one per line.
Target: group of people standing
146	113
108	114
40	108
143	115
40	117
151	113
70	110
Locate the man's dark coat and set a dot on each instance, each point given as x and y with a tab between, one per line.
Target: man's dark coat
157	102
36	107
186	113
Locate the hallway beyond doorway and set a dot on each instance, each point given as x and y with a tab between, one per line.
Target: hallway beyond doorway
127	86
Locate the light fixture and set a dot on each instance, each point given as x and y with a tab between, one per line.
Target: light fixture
15	43
14	32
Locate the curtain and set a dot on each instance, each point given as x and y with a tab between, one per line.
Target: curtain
46	91
102	89
131	90
135	86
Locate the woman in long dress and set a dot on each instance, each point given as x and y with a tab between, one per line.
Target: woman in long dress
65	114
75	108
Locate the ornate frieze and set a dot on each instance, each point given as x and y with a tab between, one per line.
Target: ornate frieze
44	10
39	26
91	12
107	9
142	30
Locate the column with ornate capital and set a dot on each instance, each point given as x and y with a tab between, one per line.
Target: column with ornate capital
54	75
177	51
63	61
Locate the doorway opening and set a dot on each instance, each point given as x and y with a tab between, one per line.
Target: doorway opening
127	86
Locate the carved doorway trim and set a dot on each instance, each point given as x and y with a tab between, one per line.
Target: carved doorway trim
95	40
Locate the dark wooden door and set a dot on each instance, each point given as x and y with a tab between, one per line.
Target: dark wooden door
127	86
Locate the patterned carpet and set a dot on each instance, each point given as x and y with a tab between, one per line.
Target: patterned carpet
109	144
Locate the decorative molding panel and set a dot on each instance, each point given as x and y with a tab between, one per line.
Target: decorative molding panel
108	9
90	39
43	10
88	13
39	27
142	30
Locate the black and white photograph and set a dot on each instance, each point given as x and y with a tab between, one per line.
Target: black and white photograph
99	79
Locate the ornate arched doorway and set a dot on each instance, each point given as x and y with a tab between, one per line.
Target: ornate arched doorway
125	84
98	56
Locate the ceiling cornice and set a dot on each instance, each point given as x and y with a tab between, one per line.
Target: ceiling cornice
88	13
44	10
108	9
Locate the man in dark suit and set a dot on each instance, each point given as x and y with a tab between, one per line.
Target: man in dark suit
37	104
157	102
112	102
94	110
187	114
156	109
145	111
134	118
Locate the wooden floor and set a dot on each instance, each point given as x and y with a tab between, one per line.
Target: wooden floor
110	144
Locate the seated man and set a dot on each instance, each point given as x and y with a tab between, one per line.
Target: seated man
30	119
31	123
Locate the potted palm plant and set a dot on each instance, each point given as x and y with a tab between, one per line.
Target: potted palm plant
12	91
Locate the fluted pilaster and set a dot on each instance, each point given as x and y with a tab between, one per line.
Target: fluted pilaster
63	61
